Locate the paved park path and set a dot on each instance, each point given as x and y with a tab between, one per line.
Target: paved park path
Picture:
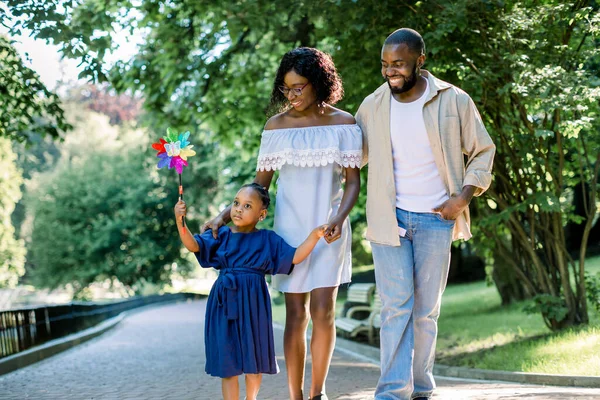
157	353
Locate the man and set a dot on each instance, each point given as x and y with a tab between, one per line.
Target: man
417	130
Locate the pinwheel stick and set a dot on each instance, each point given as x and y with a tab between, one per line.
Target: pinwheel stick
181	198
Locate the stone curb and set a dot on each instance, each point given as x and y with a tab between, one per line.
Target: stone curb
519	377
48	349
371	354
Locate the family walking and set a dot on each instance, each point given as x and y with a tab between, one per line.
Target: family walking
414	131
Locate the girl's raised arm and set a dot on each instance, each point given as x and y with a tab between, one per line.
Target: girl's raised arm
309	244
186	236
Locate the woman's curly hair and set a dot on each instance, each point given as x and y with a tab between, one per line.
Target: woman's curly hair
314	65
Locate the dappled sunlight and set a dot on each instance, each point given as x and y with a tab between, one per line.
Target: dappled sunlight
470	333
497	339
573	343
469	298
476	331
572	353
473	319
554	356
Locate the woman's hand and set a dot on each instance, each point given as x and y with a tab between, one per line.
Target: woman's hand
213	224
334	229
351	189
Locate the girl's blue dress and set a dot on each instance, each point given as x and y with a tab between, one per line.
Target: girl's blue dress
238	329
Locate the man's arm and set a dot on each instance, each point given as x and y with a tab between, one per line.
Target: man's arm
477	145
479	148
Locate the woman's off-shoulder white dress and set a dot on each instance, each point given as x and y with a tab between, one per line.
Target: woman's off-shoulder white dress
311	163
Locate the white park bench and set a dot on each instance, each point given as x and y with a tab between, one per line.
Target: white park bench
352	324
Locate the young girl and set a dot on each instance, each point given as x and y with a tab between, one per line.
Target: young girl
238	334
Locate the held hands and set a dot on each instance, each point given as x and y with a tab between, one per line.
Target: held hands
334	230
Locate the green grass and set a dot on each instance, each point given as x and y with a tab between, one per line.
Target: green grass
572	352
473	319
476	331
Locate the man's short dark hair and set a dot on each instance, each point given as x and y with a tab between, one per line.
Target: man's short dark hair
409	37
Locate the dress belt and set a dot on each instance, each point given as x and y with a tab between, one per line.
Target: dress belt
227	289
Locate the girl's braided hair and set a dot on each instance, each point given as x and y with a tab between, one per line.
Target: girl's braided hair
262	193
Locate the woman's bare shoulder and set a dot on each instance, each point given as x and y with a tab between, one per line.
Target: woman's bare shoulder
278	121
341	117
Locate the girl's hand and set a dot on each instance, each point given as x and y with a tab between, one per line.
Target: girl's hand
213	224
334	230
180	210
319	231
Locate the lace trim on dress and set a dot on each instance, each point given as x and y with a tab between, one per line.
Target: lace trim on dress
309	158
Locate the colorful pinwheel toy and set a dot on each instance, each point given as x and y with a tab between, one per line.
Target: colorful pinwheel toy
173	152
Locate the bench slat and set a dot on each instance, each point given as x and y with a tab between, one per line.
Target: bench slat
360	293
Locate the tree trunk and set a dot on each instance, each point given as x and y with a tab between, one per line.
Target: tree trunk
507	283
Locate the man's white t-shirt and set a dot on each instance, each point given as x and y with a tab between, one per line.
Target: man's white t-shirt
419	187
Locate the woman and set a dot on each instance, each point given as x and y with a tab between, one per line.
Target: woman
315	146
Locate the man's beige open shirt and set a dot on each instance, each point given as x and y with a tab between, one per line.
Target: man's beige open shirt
454	128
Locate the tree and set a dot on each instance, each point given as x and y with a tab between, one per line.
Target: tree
530	66
12	250
103	218
538	94
25	103
104	211
35	155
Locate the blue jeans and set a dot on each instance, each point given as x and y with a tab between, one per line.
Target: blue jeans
411	279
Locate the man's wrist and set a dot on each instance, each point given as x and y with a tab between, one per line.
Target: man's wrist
467	193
